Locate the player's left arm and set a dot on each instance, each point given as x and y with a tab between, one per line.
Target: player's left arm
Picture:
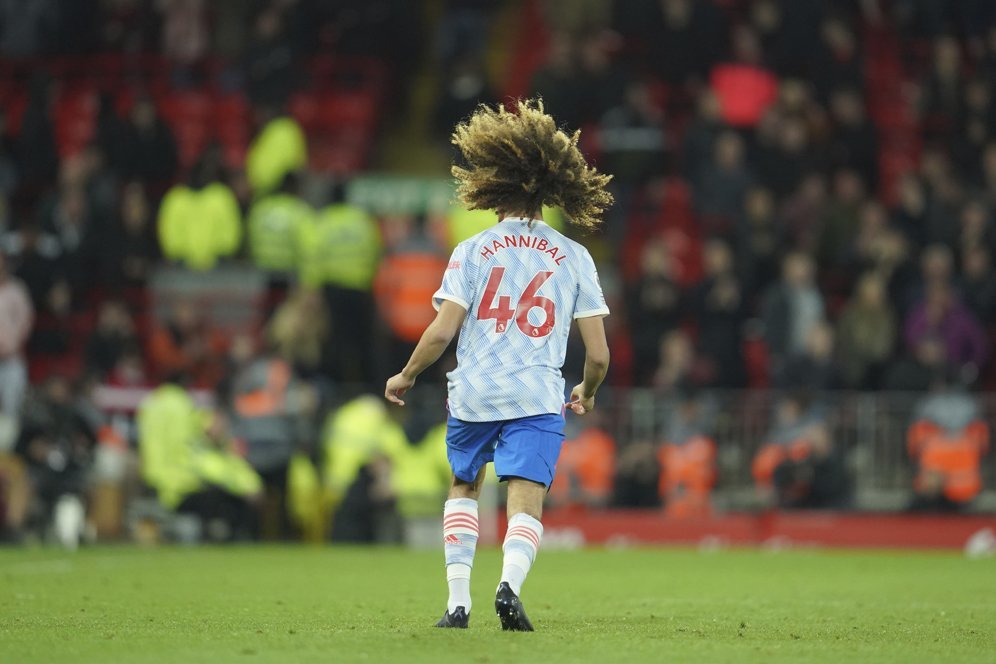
430	347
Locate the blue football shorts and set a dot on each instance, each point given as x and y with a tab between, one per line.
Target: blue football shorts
527	447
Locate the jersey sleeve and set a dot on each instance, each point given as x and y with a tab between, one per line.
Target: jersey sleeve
590	301
458	284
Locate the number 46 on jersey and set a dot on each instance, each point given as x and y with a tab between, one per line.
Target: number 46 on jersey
502	312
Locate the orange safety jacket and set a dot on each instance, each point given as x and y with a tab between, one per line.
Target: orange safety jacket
955	456
688	473
404	286
588	460
772	455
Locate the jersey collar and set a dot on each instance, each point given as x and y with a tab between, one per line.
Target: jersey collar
524	220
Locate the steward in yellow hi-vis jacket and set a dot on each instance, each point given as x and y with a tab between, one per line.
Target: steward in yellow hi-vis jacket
275	224
190	460
422	475
342	248
340	253
360	431
279	148
199	224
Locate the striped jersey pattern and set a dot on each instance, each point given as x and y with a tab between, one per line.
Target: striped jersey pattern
522	287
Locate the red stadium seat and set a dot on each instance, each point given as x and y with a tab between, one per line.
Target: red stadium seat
75	119
189	115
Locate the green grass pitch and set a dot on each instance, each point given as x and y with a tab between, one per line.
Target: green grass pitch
300	604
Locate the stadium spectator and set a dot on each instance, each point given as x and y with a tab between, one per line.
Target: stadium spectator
802	213
842	220
722	183
947	442
464	87
559	82
143	148
941	89
921	368
69	219
185	36
760	240
910	213
631	139
271	74
798	466
866	334
655	307
720	306
37	154
853	140
463	29
979	283
56	443
113	336
746	90
299	333
184	345
941	315
975	128
707	123
684	39
676	363
32	256
128	248
814	368
786	155
839	63
9	165
637	477
15	327
200	222
975	228
791	308
687	458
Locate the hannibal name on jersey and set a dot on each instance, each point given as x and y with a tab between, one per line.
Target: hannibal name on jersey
522	287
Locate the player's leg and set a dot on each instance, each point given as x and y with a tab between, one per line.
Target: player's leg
525	531
526	456
469	446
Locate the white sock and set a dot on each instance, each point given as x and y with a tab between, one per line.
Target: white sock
460	531
522	540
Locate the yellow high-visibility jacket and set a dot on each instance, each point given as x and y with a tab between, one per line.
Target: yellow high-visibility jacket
279	149
199	226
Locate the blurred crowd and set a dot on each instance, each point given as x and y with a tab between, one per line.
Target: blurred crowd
805	195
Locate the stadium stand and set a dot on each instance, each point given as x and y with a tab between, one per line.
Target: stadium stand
800	149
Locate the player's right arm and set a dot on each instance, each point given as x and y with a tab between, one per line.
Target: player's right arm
451	301
596	364
430	347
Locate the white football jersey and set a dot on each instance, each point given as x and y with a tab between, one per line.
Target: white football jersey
522	287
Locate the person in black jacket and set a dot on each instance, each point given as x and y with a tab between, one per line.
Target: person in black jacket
56	443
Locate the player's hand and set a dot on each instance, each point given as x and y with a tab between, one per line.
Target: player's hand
396	388
580	404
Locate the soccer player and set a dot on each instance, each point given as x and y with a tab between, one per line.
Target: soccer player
511	292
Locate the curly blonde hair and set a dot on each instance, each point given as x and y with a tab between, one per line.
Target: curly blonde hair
519	161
